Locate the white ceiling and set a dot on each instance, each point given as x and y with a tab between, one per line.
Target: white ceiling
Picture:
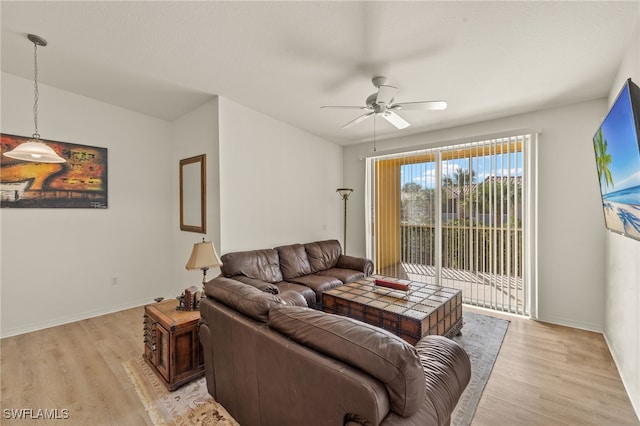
286	59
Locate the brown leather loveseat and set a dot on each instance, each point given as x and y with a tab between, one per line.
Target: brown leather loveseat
272	361
308	269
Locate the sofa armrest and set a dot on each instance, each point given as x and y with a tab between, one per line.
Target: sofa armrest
375	351
355	263
447	371
293	298
259	284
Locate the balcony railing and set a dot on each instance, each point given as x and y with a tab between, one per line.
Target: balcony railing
475	249
485	262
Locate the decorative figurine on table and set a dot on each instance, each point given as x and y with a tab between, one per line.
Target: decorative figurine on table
189	300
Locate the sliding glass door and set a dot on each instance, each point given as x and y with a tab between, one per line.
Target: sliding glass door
456	216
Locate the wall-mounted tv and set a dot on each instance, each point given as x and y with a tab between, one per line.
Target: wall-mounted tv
617	149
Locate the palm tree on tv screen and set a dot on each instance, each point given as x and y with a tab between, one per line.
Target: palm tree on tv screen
603	159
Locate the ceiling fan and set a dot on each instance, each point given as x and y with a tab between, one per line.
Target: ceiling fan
382	103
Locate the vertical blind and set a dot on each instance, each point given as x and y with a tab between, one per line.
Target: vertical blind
454	216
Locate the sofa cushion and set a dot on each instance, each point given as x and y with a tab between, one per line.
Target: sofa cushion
323	254
344	275
244	298
293	261
260	264
377	352
318	283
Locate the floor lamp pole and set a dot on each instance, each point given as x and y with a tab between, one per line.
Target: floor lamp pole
344	238
344	193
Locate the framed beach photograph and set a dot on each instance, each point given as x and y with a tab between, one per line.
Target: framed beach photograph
80	182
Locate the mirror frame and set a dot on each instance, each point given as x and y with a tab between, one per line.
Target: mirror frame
202	226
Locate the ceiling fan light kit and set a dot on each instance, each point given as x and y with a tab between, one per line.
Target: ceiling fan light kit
383	103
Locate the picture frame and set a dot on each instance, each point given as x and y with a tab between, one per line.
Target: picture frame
80	182
193	194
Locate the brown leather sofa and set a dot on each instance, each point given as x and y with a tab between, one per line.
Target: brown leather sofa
272	361
308	269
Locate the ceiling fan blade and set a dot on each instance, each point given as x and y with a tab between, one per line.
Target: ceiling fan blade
344	106
424	105
386	94
358	120
395	119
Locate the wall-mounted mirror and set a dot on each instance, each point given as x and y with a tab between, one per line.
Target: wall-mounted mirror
193	194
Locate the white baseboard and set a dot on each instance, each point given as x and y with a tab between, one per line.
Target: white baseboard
597	328
75	317
635	402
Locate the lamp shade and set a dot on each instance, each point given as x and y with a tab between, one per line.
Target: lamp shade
35	151
344	192
203	256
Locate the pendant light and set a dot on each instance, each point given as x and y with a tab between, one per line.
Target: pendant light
35	150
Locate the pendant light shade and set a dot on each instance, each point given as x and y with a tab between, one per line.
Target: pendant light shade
34	150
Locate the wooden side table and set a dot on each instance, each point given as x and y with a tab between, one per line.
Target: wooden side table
171	344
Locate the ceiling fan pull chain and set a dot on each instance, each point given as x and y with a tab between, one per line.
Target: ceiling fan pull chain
374	132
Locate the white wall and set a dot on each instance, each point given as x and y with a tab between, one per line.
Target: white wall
571	229
277	182
57	264
267	184
194	134
622	324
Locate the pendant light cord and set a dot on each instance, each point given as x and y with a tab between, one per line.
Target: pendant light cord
36	135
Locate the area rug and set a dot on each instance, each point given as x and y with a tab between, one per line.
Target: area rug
192	405
481	338
189	405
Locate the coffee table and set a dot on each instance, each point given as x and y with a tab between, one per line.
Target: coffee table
422	310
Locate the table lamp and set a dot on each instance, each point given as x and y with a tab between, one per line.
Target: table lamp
203	256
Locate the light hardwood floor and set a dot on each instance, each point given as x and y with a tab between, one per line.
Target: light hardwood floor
547	374
544	375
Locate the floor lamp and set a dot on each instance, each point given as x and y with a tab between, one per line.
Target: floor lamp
344	193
